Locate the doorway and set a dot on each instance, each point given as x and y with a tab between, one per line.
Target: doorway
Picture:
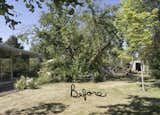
138	66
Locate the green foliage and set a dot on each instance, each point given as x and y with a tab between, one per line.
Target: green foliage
138	23
7	10
44	77
21	83
31	83
76	44
98	78
26	83
153	58
34	67
13	42
53	70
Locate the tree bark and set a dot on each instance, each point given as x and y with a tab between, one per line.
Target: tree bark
99	53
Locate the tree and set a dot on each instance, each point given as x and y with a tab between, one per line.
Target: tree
13	42
139	24
78	44
7	9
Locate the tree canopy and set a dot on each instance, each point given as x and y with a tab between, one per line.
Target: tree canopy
7	9
13	42
138	21
78	44
80	38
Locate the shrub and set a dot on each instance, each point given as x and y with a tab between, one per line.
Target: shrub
21	83
52	71
31	83
155	73
98	77
24	83
34	67
64	69
44	78
153	57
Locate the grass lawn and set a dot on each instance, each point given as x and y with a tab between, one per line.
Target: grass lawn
123	98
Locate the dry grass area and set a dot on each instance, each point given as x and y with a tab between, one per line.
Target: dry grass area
123	97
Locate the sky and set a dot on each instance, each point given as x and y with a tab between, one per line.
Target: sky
28	19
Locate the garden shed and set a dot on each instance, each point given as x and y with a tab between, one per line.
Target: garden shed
136	66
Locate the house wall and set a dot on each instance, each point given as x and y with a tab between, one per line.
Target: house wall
133	66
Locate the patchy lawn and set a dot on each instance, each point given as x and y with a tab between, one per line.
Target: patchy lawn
123	97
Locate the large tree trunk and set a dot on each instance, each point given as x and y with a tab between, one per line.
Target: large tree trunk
98	54
156	40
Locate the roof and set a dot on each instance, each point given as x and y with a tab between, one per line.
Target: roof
7	51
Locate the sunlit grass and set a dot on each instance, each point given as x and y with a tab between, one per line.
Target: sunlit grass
118	92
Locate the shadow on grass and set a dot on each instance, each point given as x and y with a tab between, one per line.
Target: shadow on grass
153	83
137	106
42	109
123	77
157	84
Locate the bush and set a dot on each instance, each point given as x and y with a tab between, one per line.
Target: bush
25	83
21	83
153	57
61	69
52	71
31	83
98	78
44	78
155	73
34	67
